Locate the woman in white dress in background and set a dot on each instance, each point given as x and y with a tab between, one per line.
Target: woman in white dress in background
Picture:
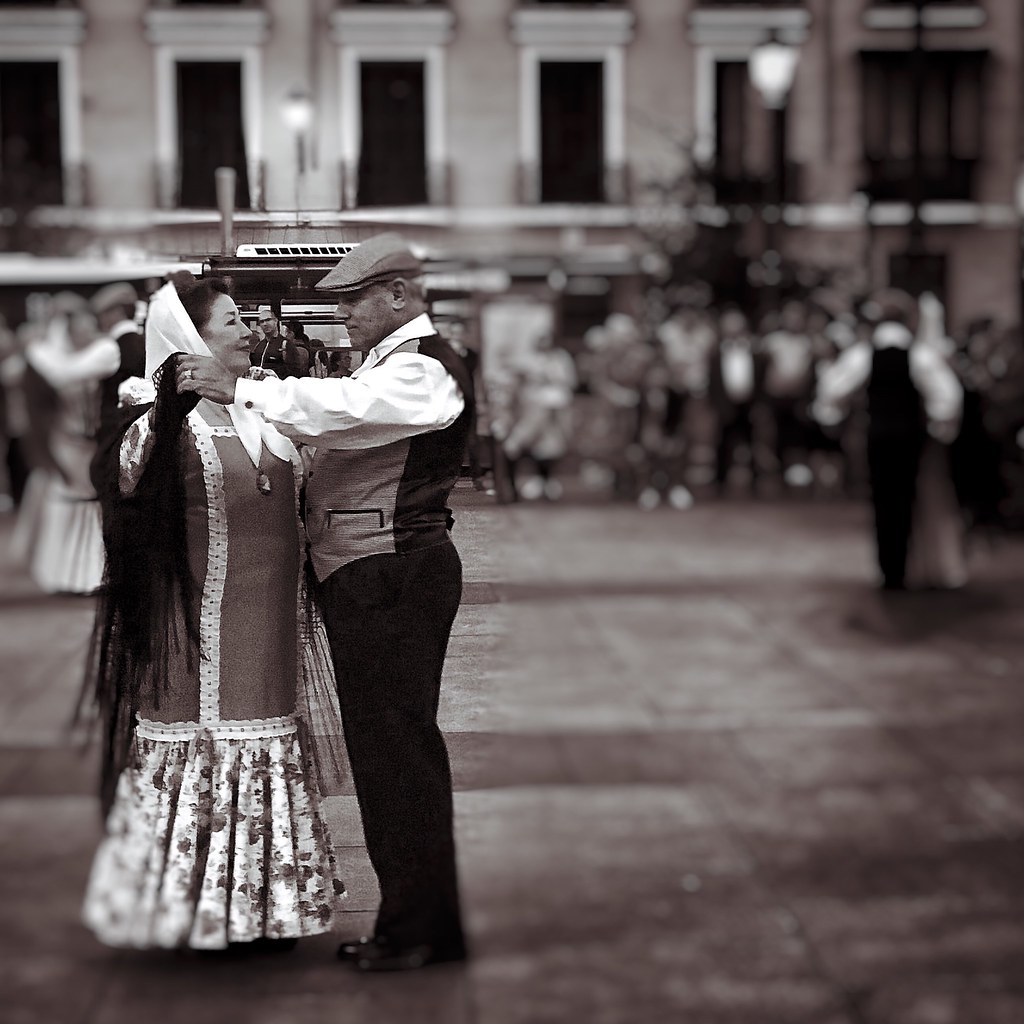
58	535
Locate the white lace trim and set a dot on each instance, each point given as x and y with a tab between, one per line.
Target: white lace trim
136	391
230	729
134	452
216	568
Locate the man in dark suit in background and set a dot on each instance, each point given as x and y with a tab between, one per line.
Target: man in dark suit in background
114	307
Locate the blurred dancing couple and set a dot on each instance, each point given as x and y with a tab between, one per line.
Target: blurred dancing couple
236	642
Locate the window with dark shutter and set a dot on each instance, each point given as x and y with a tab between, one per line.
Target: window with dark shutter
392	156
210	131
731	85
950	131
572	132
30	149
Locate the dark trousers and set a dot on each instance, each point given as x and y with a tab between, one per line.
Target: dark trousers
893	461
734	430
388	620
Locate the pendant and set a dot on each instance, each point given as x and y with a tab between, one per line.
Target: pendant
263	482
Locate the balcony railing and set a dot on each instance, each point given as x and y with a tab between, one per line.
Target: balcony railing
616	186
941	178
438	185
393	3
167	184
732	189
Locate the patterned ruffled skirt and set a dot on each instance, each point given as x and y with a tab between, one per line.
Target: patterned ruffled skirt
215	837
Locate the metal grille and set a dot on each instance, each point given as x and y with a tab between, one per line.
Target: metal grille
250	251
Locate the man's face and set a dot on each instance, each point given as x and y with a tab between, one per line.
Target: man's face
269	326
367	314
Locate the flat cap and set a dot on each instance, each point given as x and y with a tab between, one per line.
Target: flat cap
379	258
120	294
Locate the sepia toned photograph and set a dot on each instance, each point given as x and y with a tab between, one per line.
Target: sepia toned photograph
512	512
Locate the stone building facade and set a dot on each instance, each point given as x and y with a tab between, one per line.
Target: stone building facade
519	134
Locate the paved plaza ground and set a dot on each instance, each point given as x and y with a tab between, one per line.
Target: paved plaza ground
704	774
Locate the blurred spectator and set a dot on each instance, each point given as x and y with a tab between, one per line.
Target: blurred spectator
735	382
297	348
272	351
788	391
828	446
114	307
333	362
663	435
479	443
983	365
59	523
542	423
10	373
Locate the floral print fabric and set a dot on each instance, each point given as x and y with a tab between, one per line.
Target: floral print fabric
211	841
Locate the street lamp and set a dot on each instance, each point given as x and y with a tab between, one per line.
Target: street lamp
297	114
772	69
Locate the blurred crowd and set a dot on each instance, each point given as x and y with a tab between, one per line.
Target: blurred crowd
60	372
713	402
706	404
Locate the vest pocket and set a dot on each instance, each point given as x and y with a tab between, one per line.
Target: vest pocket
346	515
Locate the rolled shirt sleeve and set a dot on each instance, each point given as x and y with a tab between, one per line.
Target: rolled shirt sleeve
941	391
408	394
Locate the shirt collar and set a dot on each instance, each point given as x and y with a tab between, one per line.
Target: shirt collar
890	334
418	327
123	327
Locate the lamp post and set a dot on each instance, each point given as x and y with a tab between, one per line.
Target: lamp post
297	113
772	68
916	247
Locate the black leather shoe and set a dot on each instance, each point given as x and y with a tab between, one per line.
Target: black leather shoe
379	956
350	950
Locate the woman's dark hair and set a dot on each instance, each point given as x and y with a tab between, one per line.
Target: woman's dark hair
145	611
198	296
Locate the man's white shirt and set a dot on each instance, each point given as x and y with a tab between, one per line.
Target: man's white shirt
409	394
937	384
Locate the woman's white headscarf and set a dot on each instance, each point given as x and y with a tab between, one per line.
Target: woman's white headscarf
169	329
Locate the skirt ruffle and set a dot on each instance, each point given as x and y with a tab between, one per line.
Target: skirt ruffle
213	841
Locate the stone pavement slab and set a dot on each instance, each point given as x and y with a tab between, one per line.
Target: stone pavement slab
703	774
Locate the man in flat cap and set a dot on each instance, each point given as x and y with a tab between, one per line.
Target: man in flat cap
389	443
114	307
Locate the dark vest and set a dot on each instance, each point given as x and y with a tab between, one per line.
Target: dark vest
391	498
133	364
895	408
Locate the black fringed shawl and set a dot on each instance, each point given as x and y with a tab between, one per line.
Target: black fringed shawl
145	610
